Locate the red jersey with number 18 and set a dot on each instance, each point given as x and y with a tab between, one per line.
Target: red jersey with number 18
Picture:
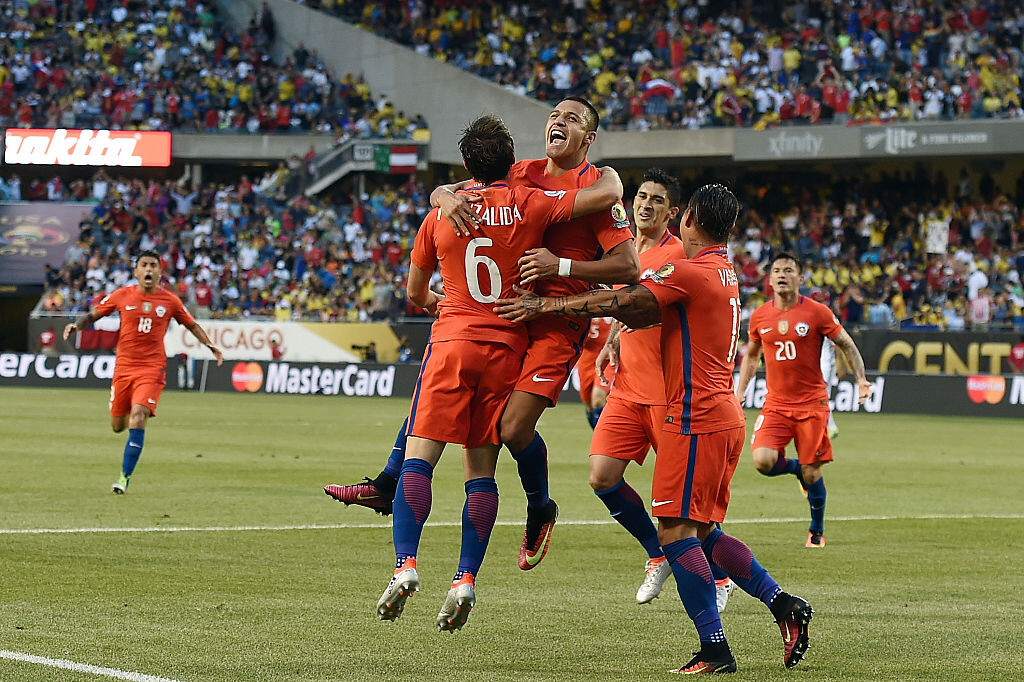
144	321
477	272
700	321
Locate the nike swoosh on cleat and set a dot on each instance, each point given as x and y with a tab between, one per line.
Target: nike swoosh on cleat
360	496
539	379
535	559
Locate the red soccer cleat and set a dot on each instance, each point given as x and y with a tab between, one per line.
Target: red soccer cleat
537	538
364	494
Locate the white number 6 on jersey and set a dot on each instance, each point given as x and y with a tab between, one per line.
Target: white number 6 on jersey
473	261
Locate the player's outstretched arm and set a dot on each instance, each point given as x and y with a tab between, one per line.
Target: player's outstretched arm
200	333
856	362
635	306
83	322
748	368
457	208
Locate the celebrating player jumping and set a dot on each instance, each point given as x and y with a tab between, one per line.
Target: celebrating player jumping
473	359
563	267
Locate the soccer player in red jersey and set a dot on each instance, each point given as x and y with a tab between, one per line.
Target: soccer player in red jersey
146	309
568	260
793	327
593	387
473	359
697	302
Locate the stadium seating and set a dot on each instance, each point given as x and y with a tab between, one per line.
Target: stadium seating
249	250
648	65
173	66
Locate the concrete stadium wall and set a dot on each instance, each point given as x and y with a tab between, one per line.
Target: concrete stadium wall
228	147
447	96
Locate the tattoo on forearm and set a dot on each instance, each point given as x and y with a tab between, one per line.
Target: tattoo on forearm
853	356
611	307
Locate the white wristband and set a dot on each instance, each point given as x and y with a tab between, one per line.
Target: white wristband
564	265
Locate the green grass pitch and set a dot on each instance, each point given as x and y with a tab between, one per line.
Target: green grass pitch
920	579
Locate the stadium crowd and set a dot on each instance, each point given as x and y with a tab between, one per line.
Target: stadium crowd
690	65
897	250
147	65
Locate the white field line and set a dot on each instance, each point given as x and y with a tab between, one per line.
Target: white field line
82	667
454	524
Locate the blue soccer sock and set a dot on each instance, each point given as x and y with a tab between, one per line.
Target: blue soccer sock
783	465
478	515
532	462
132	450
816	499
394	466
696	587
628	509
593	415
411	507
736	559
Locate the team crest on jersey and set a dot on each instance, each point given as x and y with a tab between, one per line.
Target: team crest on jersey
783	326
619	216
161	311
147	307
802	328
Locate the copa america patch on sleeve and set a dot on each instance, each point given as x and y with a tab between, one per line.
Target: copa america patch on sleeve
619	215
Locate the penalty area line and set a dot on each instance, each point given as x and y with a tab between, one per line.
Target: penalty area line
82	667
458	524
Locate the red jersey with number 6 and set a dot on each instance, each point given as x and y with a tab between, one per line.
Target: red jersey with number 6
144	320
700	321
477	272
792	351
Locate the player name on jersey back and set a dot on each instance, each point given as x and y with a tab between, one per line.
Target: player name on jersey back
498	216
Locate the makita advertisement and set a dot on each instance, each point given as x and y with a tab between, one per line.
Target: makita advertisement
61	147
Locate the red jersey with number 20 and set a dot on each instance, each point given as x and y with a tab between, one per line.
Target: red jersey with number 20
477	272
792	350
700	321
144	321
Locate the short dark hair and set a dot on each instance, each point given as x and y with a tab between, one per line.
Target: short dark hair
488	149
594	118
148	253
715	209
783	255
669	182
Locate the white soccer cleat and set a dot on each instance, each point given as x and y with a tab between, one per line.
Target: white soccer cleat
121	485
405	581
457	605
723	588
657	574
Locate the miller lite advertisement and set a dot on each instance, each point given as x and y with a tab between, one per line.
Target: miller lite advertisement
61	147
